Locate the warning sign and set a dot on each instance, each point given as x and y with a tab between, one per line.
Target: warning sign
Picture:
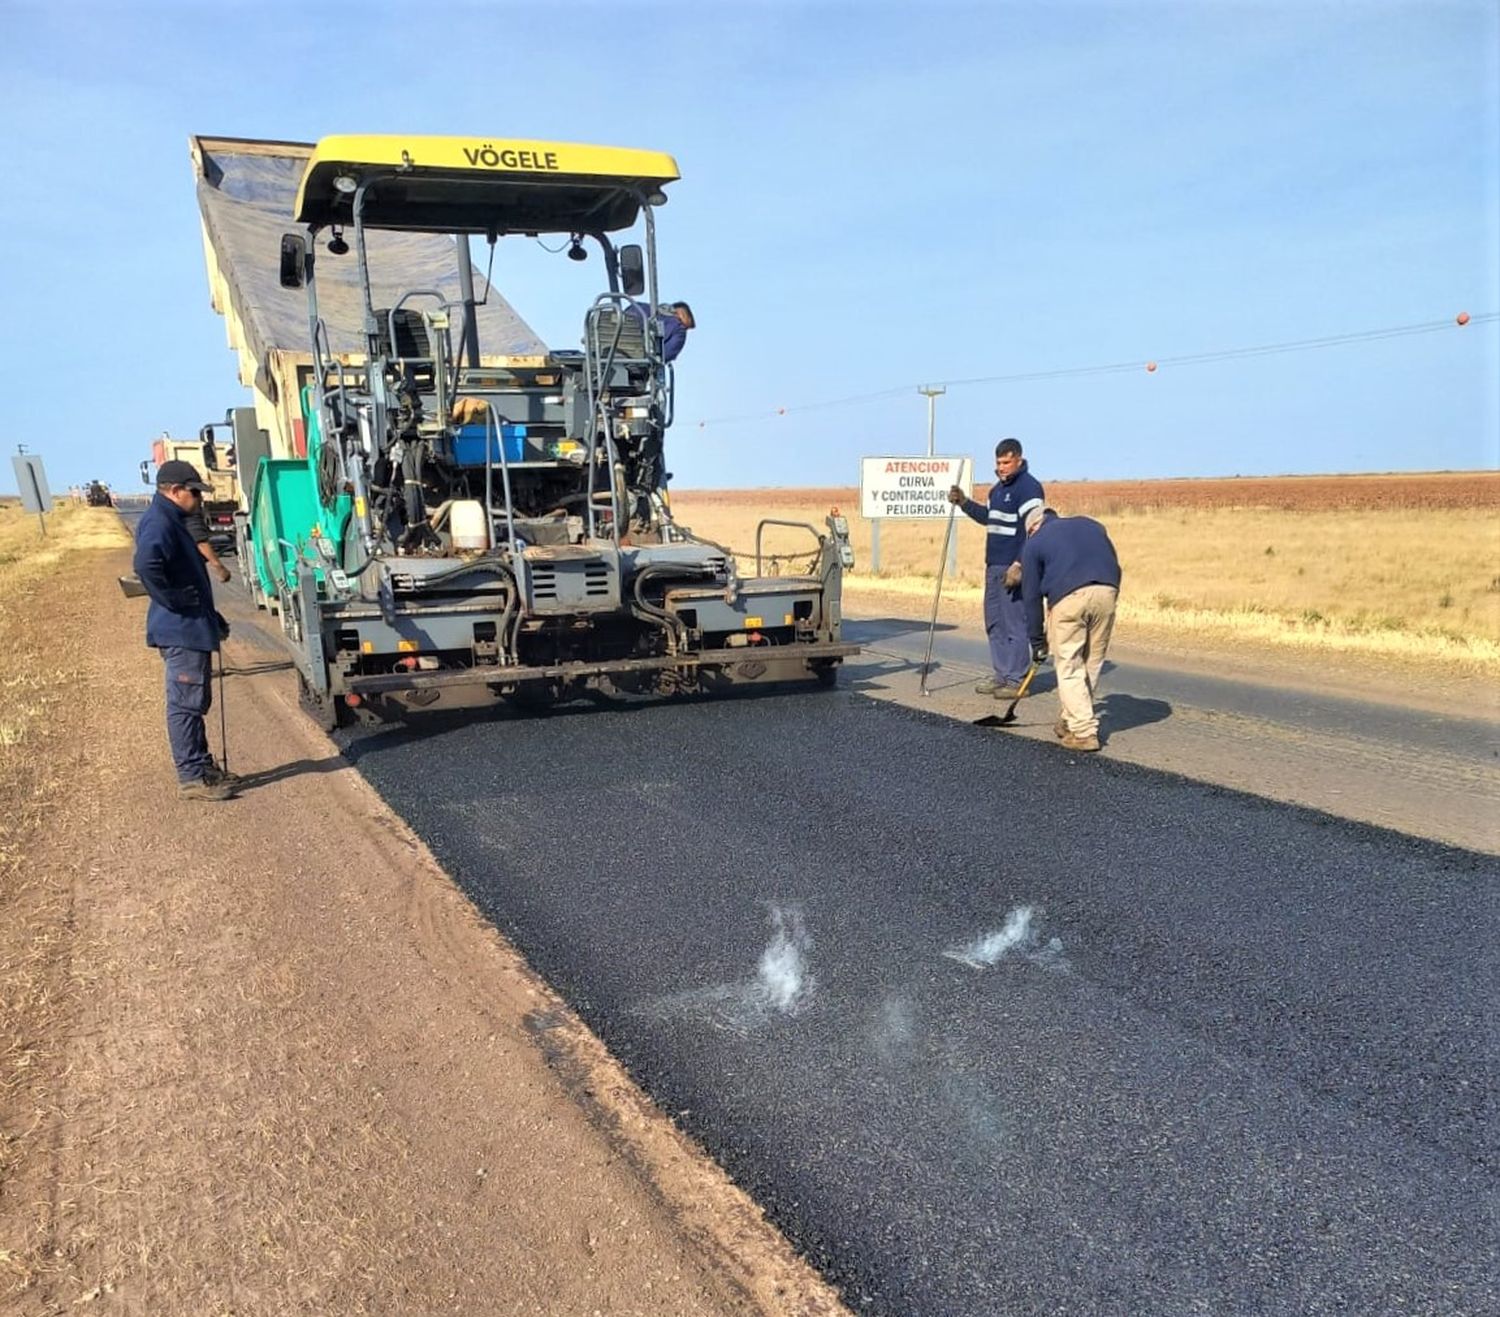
909	488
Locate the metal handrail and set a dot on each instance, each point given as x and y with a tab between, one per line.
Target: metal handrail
492	423
597	373
774	521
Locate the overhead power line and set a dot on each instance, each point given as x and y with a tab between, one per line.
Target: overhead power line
1151	366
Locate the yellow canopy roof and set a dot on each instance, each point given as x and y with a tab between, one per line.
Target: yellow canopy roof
473	185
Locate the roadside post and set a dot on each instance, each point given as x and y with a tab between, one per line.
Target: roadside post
31	480
913	489
932	392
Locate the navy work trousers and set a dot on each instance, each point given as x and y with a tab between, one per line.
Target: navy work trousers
190	695
1005	625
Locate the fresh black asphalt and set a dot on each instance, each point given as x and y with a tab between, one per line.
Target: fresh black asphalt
1244	1061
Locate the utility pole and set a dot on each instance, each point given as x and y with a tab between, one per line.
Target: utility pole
932	392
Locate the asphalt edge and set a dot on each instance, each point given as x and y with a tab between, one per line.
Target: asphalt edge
737	1239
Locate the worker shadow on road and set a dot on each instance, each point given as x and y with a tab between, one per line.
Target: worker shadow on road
875	674
1120	712
872	630
297	768
258	669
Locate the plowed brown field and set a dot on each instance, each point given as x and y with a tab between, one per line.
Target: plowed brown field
1432	489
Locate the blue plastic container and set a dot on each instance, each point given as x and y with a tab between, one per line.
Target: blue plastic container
469	444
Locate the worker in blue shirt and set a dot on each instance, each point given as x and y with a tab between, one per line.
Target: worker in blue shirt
183	624
674	320
1013	496
672	323
1070	563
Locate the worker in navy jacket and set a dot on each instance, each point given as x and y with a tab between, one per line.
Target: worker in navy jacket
182	623
672	322
1014	495
1070	563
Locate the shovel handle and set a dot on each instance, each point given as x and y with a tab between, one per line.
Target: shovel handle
937	595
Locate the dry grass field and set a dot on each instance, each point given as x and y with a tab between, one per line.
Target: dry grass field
40	583
26	559
1382	565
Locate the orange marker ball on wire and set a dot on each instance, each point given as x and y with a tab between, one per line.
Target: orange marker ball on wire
1462	317
1150	367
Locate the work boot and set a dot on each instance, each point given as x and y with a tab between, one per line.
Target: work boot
205	789
1060	728
213	773
1009	690
1071	742
987	687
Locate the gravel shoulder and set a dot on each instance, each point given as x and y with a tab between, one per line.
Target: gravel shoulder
283	1066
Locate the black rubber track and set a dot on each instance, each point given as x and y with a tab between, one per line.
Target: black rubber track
1257	1075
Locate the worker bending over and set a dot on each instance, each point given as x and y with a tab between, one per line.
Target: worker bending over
1070	563
674	320
1013	496
672	323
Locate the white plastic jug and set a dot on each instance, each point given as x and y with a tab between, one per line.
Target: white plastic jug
466	519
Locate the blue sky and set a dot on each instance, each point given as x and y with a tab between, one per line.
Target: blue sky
872	197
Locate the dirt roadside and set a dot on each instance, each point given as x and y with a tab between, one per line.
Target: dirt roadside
278	1064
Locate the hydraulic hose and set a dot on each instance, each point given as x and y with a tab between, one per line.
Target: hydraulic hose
484	564
674	627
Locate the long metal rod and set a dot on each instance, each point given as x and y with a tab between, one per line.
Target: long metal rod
937	595
223	720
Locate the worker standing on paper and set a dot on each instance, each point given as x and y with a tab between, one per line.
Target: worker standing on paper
1071	564
1014	495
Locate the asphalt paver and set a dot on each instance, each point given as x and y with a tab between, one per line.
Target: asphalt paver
989	1027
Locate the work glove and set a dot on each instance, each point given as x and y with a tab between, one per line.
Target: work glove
1013	576
465	410
956	495
1038	651
223	626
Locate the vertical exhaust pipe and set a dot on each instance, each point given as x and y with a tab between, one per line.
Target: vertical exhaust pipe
466	290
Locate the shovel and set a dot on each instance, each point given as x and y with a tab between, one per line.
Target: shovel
1009	716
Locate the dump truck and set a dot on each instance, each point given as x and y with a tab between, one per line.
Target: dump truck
441	509
215	460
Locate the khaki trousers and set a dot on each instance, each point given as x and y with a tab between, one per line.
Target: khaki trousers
1078	629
